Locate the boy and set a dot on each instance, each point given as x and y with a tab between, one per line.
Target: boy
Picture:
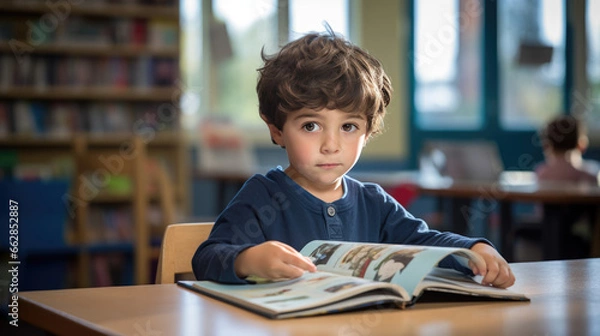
563	143
321	98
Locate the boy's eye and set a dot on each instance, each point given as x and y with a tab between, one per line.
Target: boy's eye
311	127
349	127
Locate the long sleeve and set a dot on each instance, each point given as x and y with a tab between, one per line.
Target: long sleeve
274	207
236	229
398	226
264	209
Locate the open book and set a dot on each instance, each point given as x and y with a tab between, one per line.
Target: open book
353	276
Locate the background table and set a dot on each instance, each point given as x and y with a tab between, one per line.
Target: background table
489	196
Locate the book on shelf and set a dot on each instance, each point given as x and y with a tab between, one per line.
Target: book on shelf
63	119
354	276
79	72
84	31
164	72
109	225
29	118
4	120
7	72
162	33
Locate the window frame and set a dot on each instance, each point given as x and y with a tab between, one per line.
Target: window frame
519	149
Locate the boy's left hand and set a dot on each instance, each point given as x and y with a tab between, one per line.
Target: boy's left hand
494	269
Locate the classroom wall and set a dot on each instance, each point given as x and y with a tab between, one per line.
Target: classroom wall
384	28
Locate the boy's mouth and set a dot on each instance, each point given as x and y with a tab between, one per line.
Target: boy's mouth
328	165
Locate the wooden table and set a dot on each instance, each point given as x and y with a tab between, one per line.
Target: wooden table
488	196
565	300
491	195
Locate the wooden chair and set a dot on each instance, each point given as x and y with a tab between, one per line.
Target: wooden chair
178	247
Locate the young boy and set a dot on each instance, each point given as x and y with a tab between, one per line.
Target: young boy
321	98
563	143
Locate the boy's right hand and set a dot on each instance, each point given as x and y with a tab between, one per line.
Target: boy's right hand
272	260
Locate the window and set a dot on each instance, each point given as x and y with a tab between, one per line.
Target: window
221	70
191	66
447	64
309	15
240	29
531	47
499	75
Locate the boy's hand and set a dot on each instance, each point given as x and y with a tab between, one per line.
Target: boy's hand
492	267
272	260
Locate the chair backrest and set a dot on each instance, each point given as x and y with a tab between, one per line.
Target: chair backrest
178	247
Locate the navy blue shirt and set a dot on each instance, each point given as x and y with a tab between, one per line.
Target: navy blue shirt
274	207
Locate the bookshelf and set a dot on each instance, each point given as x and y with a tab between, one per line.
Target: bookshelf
92	94
79	80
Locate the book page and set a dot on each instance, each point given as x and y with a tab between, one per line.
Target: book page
309	291
452	281
404	265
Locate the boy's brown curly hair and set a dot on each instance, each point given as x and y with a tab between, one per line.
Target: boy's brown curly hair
323	70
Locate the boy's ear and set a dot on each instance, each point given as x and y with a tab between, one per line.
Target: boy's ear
582	143
368	137
276	135
275	132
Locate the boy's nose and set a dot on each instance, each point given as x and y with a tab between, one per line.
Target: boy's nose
331	143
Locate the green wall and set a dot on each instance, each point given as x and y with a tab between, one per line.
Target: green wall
383	31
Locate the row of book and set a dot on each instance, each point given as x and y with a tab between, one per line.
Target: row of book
60	167
64	119
114	224
102	2
81	72
157	33
109	225
113	268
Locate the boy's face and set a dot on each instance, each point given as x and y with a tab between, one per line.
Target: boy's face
321	146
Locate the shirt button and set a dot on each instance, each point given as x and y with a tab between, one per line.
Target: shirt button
331	211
